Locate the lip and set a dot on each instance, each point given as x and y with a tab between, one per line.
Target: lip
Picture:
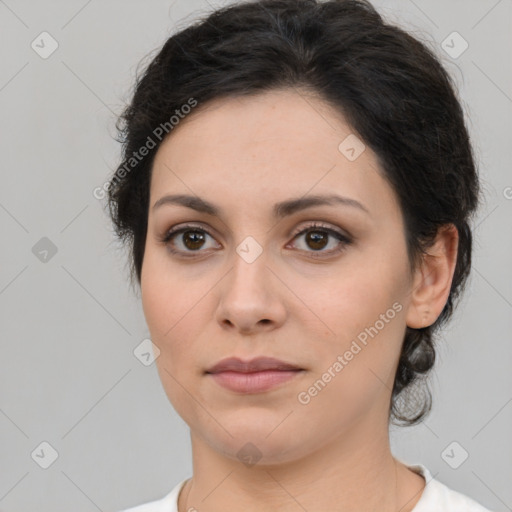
254	376
258	364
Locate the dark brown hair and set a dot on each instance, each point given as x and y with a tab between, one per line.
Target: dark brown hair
391	89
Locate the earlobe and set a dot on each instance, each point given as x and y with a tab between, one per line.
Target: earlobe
433	278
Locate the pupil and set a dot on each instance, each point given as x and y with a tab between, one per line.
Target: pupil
195	237
316	238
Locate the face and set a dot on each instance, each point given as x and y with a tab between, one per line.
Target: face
323	287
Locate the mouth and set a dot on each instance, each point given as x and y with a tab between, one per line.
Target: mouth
255	376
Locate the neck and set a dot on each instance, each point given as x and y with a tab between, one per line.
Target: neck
354	472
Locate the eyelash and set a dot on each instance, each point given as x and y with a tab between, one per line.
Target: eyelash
315	226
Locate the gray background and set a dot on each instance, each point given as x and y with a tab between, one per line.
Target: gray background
69	325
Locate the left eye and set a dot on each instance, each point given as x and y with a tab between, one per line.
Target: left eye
318	238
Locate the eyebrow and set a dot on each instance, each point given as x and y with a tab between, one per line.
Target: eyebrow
280	210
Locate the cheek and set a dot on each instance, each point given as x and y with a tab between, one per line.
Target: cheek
364	311
354	298
176	308
355	372
173	314
167	297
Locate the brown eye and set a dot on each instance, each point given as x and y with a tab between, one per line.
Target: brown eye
187	240
193	240
317	239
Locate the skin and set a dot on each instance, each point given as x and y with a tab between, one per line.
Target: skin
244	155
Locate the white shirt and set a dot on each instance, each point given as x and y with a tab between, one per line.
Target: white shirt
436	497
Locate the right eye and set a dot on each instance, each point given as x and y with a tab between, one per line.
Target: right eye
191	239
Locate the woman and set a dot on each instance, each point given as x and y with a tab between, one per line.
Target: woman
296	192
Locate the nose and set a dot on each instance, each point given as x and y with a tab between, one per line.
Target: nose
251	299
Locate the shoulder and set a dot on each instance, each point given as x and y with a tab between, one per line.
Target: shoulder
443	498
169	503
437	497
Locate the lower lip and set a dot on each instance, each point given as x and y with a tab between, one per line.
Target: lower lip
255	382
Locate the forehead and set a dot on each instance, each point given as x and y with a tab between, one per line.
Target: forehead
291	120
277	144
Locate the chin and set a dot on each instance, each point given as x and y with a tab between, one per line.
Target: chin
258	443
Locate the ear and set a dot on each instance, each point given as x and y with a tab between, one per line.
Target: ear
433	278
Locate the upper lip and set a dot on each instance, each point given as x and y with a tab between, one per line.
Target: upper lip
235	364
